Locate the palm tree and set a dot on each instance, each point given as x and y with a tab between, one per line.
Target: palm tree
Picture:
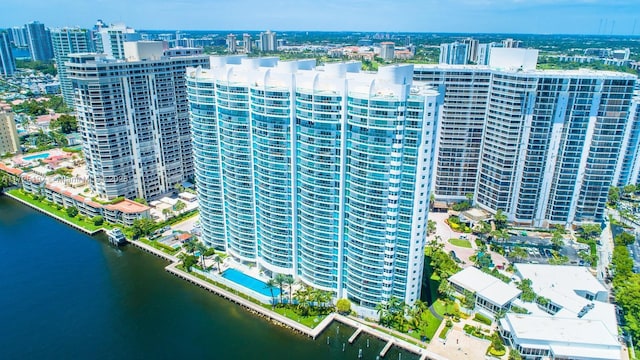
271	284
201	248
500	219
189	246
519	253
280	279
218	259
383	311
302	297
289	281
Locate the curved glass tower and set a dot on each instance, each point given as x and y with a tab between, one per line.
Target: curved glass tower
321	173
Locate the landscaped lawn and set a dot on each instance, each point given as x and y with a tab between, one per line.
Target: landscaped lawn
86	224
162	247
432	326
442	308
460	242
309	321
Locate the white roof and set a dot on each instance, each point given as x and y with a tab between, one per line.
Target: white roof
485	286
564	331
574	352
560	283
186	195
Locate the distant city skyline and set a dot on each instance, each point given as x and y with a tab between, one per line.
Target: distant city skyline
481	16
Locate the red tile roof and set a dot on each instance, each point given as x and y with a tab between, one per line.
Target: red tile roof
10	170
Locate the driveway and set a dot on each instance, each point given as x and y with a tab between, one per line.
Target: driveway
444	231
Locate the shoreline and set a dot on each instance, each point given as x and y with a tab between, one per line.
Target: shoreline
273	317
77	227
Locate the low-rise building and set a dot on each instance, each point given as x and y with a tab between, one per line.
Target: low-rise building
492	295
574	321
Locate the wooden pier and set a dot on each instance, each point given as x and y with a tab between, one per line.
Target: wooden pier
355	335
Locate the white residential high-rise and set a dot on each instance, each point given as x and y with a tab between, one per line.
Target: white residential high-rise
454	53
110	40
66	41
387	50
551	142
464	90
231	44
134	120
268	42
321	173
7	61
472	49
246	42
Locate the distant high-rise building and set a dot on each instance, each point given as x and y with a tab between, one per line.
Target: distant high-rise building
18	36
268	42
454	53
134	120
9	141
472	49
484	53
246	42
511	43
110	40
7	61
231	44
39	41
297	174
387	50
66	41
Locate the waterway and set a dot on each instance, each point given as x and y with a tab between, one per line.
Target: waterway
64	294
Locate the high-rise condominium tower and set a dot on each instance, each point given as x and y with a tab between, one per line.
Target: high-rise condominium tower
7	61
628	171
39	41
268	41
543	146
134	120
110	40
464	90
321	173
231	44
67	41
454	53
19	36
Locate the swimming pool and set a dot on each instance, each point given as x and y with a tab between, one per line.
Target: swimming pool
36	157
249	282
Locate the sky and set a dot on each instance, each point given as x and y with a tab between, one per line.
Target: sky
468	16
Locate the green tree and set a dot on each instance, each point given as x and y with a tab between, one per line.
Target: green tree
97	220
624	239
614	196
280	280
180	205
289	281
519	253
189	246
188	261
141	201
343	306
72	211
514	354
271	285
431	226
629	189
142	227
557	240
500	219
218	259
201	248
590	231
67	124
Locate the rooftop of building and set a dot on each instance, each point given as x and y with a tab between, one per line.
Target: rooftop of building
563	336
127	206
485	285
535	72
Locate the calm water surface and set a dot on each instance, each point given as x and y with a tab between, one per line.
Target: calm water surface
64	295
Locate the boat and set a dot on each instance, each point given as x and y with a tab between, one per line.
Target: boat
116	237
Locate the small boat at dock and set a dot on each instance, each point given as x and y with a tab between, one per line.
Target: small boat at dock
116	237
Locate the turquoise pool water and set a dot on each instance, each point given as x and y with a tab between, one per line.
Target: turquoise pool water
36	157
249	282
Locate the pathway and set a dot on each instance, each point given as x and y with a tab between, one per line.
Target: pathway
435	313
